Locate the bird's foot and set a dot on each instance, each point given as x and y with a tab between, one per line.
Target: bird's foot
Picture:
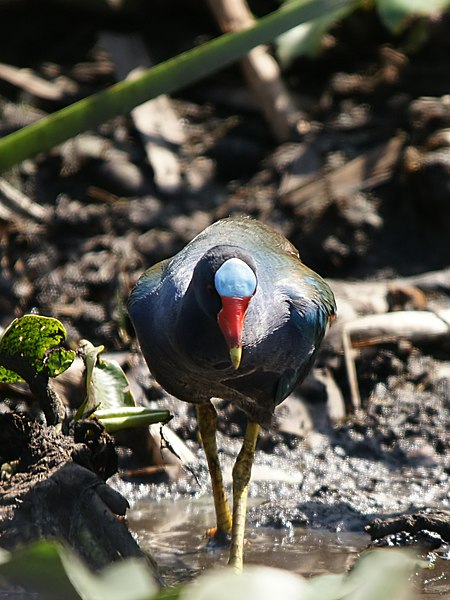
218	538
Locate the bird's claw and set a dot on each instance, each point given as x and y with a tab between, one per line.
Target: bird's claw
217	538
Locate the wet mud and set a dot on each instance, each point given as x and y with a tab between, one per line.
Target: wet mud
363	194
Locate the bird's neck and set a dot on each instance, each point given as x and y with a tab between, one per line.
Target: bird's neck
198	334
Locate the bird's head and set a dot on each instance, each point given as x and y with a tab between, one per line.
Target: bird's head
225	284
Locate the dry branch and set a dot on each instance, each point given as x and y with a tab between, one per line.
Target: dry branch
27	80
351	370
372	297
420	327
14	204
261	71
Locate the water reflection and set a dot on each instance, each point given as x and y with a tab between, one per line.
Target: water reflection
173	532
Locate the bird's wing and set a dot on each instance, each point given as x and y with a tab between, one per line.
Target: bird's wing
146	284
312	307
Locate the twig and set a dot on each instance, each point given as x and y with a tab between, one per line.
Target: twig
351	369
359	298
261	71
15	201
27	80
421	327
185	463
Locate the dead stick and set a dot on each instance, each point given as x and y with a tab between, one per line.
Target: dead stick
29	81
420	327
19	204
261	71
351	369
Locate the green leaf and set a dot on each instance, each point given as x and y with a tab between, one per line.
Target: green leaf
37	340
132	416
39	566
58	360
169	594
56	572
129	579
108	394
395	14
107	386
382	574
167	77
264	583
326	587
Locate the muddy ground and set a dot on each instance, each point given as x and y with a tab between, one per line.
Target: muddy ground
353	218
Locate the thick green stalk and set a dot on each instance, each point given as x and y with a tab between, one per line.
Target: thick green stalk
166	77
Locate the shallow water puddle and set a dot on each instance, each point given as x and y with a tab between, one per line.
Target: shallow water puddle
173	532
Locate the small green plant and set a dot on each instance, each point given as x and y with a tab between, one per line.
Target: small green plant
108	394
32	350
33	343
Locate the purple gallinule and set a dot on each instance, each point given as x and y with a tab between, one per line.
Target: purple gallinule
234	315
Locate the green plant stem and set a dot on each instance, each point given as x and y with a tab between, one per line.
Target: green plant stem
40	386
166	77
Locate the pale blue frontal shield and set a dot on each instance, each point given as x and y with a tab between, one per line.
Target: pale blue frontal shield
235	278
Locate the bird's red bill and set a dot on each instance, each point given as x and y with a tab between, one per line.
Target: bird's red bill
231	319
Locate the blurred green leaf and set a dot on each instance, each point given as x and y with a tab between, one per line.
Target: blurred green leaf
326	587
52	569
382	574
306	39
395	14
129	579
169	594
263	583
39	566
57	573
36	339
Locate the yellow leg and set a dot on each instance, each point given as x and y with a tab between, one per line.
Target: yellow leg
241	476
207	423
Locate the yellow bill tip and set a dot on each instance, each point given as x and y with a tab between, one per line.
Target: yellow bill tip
236	355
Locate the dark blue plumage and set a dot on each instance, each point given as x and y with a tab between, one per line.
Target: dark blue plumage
174	309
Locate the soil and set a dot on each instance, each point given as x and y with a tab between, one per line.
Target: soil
368	96
54	488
